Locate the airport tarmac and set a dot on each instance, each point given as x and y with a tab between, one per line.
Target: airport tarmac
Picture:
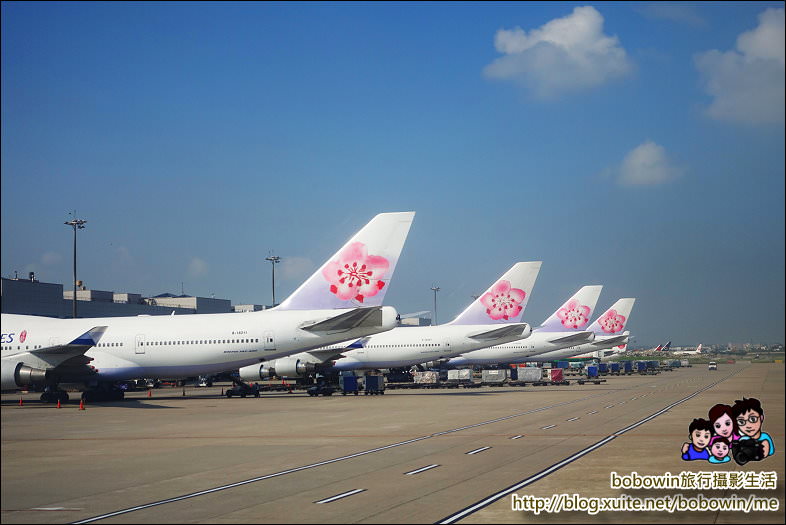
412	456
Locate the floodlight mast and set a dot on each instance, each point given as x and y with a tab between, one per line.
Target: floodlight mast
435	289
274	259
76	224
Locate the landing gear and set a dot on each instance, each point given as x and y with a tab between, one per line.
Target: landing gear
53	396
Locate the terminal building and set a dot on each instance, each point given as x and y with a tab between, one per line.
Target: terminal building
32	297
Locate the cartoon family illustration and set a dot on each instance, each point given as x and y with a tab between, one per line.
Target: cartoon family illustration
731	432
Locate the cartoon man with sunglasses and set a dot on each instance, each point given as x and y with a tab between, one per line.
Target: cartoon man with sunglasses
749	417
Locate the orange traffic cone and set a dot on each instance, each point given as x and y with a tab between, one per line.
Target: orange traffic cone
58	403
81	404
149	393
21	403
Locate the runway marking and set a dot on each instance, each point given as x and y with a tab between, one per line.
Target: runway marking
477	450
573	419
609	406
418	471
633	398
548	427
517	437
593	412
570	459
326	462
340	496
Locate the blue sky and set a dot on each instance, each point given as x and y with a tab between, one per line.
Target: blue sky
633	145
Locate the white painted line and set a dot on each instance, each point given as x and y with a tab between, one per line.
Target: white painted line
339	496
572	419
593	412
609	406
477	450
418	471
517	437
633	398
548	427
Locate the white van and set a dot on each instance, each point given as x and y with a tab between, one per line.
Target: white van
712	366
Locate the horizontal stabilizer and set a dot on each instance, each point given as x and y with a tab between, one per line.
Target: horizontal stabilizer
322	356
81	344
348	320
574	339
612	341
509	330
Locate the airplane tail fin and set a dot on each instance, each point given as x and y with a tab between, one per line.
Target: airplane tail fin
614	319
698	349
505	300
666	347
575	313
359	273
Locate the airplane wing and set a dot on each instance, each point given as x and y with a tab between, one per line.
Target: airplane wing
509	330
348	320
80	345
577	338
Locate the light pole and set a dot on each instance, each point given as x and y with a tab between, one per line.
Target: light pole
435	289
273	260
76	224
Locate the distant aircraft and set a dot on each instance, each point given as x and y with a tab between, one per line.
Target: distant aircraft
691	352
566	327
609	330
339	301
492	318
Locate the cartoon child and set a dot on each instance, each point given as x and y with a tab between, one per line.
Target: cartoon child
700	434
723	422
719	450
749	417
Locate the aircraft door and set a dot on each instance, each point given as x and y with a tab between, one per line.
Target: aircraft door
139	346
269	342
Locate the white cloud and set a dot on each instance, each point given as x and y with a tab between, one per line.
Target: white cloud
566	54
295	268
647	165
197	267
51	258
747	85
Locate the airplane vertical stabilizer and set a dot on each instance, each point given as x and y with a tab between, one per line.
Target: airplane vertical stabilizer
359	273
505	300
613	320
575	314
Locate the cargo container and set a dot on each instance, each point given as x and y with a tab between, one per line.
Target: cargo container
675	363
563	364
685	362
426	378
628	367
603	368
375	385
530	374
494	376
652	364
349	385
641	367
556	375
460	376
592	371
614	369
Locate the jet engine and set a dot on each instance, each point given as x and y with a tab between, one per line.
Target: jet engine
18	374
286	367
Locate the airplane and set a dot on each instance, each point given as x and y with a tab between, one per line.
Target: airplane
609	330
341	300
492	318
564	328
691	352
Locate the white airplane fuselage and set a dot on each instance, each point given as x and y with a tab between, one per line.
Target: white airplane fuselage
574	351
402	347
515	352
176	346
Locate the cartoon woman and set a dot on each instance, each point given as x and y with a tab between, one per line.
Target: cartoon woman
719	450
723	423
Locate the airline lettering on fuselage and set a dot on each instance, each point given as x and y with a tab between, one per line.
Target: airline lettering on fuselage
7	338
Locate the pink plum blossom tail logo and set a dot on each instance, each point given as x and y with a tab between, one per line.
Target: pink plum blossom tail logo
503	302
574	315
23	336
611	322
356	274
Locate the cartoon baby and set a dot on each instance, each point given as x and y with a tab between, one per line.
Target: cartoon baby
719	450
700	432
